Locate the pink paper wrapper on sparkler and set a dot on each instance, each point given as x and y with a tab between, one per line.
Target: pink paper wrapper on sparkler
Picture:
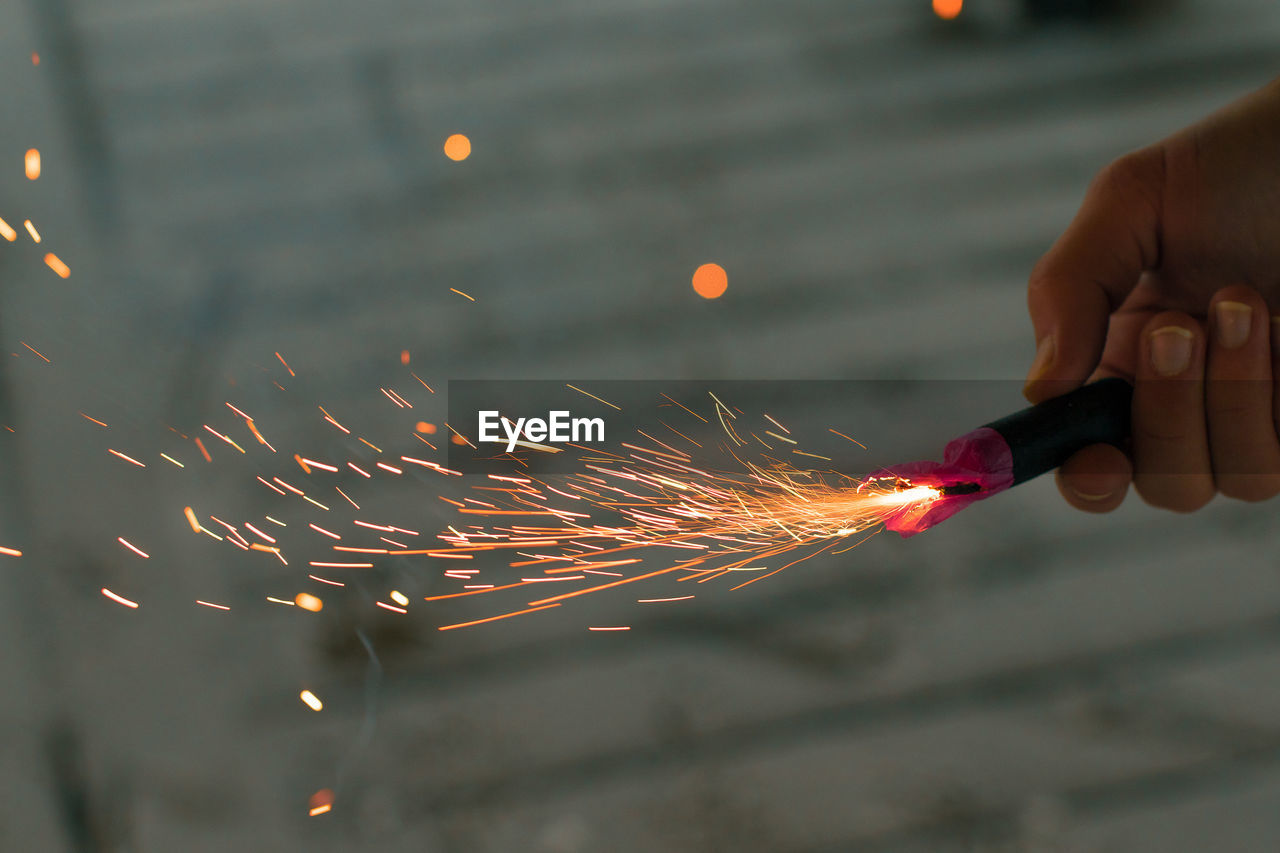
980	461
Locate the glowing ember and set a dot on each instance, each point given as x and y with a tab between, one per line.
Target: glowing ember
135	549
311	700
119	599
321	801
33	164
31	229
307	601
10	552
6	231
55	263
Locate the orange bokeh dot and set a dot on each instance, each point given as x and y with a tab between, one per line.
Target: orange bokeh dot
947	9
35	59
457	147
457	439
404	356
425	427
710	281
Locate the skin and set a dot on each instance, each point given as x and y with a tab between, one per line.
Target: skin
1183	235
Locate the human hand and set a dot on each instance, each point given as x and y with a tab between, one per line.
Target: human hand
1169	276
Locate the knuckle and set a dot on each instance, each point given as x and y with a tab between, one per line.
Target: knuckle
1175	492
1250	488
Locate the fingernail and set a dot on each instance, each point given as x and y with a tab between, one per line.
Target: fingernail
1233	320
1040	364
1171	350
1086	496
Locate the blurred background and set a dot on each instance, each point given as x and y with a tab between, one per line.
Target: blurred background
229	179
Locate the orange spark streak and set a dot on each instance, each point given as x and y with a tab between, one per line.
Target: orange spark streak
119	599
55	263
320	529
321	465
344	494
126	458
325	580
616	628
455	290
203	452
593	396
133	548
191	519
28	346
386	606
842	435
286	364
95	420
269	485
33	164
211	604
31	229
321	565
10	552
495	618
6	231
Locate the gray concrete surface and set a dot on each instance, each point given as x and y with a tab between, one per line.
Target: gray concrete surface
231	179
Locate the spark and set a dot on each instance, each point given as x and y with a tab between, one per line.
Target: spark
171	459
225	438
399	598
126	543
307	601
55	263
593	396
126	458
454	289
119	599
10	552
611	628
95	420
495	618
286	364
656	600
31	229
326	580
321	801
196	527
279	601
6	231
33	164
311	700
211	604
391	607
33	349
320	529
323	565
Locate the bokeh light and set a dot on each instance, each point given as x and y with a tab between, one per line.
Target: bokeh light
947	9
710	281
457	147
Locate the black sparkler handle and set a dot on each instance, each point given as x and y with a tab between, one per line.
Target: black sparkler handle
1043	436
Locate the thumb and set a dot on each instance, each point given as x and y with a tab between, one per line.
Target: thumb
1090	270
